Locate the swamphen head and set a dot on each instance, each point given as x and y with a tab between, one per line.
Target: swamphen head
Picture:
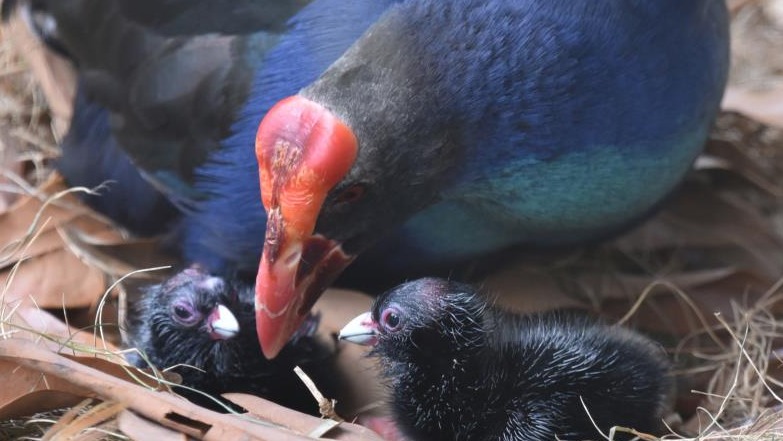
438	316
462	369
204	328
504	122
189	312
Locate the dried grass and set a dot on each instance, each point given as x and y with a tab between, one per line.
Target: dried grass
24	120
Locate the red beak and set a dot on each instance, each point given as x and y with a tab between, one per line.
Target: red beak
303	151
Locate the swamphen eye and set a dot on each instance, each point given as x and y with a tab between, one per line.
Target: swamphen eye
351	194
391	319
184	313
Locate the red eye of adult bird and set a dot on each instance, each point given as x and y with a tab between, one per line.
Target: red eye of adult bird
303	151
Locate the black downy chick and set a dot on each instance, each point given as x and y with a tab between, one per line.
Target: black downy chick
205	327
461	369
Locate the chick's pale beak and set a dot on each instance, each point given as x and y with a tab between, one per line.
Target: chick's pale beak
362	330
222	324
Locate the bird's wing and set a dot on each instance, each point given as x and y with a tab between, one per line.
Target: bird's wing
171	83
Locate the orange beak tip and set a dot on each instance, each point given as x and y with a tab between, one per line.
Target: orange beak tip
270	333
273	317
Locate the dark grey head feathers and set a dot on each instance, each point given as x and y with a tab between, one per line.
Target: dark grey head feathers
205	327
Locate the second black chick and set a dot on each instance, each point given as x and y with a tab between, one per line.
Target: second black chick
205	327
461	369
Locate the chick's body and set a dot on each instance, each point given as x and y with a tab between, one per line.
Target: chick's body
460	369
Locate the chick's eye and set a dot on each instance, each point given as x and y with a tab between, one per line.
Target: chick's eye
350	194
391	319
184	313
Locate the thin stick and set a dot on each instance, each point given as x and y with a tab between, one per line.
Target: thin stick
325	405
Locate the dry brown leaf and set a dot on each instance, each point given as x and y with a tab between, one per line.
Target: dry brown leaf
59	269
72	427
69	416
16	223
117	256
50	239
27	391
45	242
756	60
24	321
169	410
764	105
19	382
9	164
33	402
32	217
142	429
297	422
736	5
55	280
19	319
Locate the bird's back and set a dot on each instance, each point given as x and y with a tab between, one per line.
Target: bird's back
166	80
91	158
578	117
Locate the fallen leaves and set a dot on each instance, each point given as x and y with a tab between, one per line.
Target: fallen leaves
25	387
170	411
763	105
53	74
756	86
32	246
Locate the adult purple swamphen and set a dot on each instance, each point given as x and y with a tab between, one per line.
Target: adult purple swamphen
410	133
451	129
